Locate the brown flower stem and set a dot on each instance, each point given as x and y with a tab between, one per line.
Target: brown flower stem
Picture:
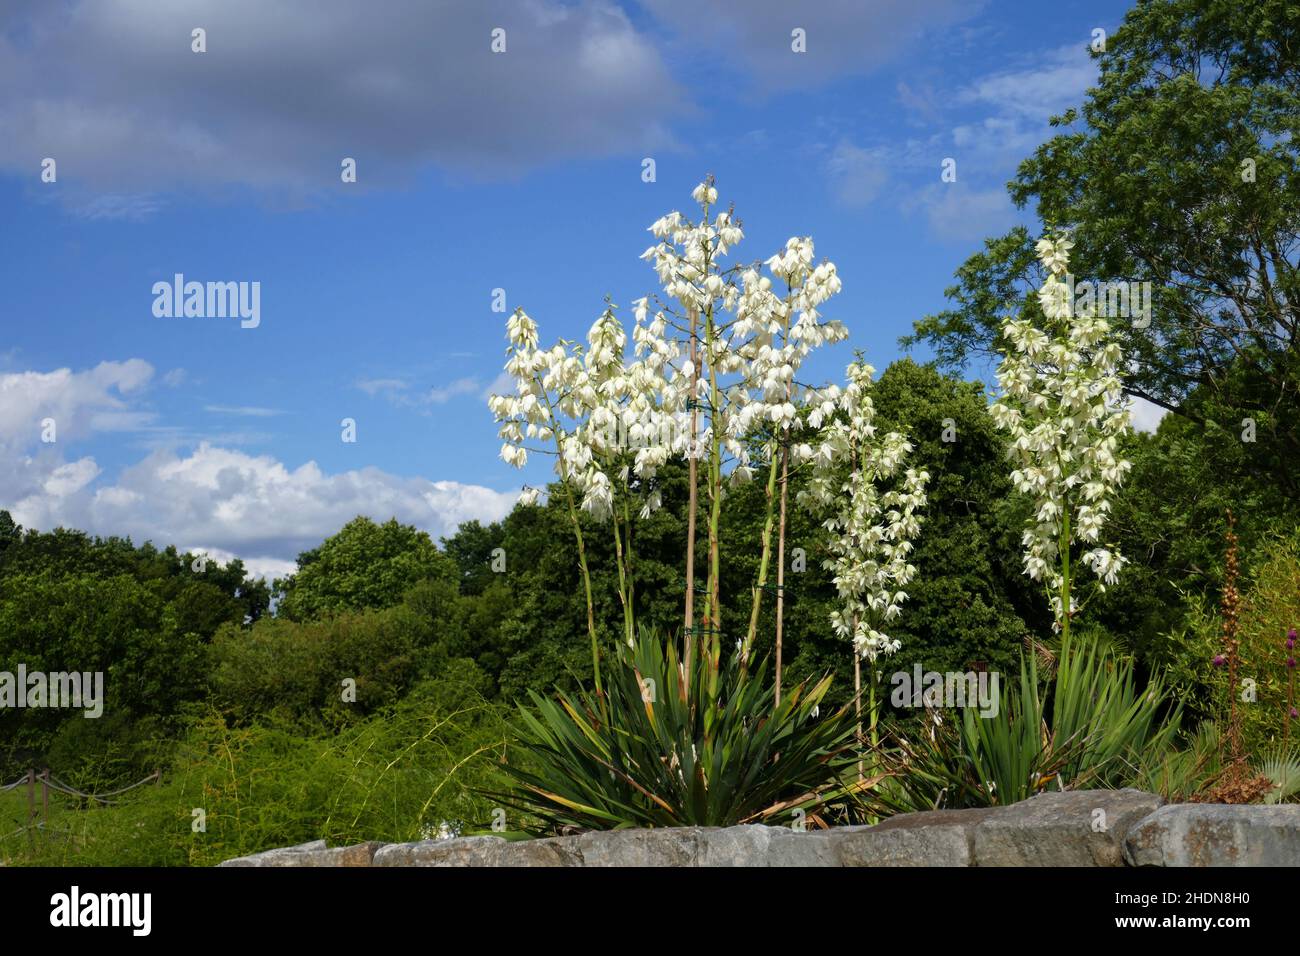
780	567
692	458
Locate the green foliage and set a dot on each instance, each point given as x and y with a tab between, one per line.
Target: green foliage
969	601
1282	767
296	671
1270	605
405	774
1097	700
656	753
1181	774
1092	727
365	565
969	604
1206	209
119	626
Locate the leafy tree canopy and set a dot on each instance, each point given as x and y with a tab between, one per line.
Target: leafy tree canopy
365	565
1181	169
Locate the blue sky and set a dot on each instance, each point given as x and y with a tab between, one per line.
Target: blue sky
475	171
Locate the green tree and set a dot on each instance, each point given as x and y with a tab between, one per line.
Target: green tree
365	565
1183	170
969	605
10	532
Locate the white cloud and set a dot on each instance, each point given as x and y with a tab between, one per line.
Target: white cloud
1039	90
843	36
79	402
134	208
403	394
1019	102
503	384
208	498
957	212
1015	105
440	395
252	506
113	92
267	568
381	386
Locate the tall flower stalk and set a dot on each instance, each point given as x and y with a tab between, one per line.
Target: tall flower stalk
1289	645
545	382
746	346
1063	407
692	505
716	362
872	503
772	378
717	357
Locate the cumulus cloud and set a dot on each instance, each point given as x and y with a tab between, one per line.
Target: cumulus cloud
249	505
112	90
78	402
207	498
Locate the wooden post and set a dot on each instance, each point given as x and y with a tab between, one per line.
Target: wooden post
780	565
31	805
688	650
857	705
45	796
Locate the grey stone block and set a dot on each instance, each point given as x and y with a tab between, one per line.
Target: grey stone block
1206	834
1074	828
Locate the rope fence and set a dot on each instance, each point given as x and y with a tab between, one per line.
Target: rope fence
48	782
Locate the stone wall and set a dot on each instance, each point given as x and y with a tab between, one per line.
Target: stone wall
1082	828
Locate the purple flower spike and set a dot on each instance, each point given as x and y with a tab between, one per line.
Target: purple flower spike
1219	660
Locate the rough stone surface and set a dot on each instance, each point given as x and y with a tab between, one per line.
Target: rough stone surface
1075	828
936	838
1202	834
676	846
311	854
757	845
480	851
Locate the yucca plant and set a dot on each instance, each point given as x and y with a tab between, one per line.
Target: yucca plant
1096	699
1098	730
974	761
1013	755
1180	774
661	752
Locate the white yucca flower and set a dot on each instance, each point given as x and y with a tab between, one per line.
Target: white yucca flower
1063	408
872	504
618	406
